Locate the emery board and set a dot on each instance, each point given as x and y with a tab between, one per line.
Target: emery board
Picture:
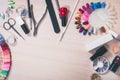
52	16
98	42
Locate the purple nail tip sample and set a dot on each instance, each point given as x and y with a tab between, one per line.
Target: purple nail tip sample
84	8
81	29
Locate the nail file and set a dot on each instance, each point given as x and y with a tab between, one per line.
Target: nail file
52	16
98	42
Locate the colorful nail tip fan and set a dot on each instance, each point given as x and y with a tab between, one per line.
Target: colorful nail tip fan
101	65
83	18
5	59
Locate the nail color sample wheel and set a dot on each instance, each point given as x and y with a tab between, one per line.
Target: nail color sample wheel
98	17
5	59
101	65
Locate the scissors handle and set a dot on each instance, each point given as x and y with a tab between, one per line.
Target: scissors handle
9	24
11	21
6	26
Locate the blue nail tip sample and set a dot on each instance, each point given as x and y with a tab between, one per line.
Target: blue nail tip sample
85	32
95	6
103	4
1	38
98	5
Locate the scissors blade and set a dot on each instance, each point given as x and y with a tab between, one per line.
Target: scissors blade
18	33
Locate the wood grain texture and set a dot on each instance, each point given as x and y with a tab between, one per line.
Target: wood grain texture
42	58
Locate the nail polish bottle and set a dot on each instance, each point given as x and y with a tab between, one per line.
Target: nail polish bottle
102	50
63	15
115	64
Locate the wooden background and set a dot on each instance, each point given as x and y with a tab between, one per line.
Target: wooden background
43	58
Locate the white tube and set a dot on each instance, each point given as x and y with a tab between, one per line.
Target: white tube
98	42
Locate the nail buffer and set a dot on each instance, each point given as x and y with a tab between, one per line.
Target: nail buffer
52	16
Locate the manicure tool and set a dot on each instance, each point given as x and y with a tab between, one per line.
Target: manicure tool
77	1
30	15
36	24
52	16
10	24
